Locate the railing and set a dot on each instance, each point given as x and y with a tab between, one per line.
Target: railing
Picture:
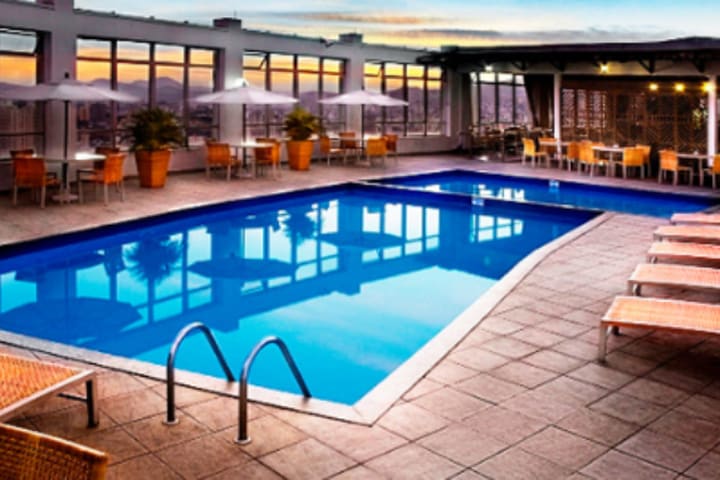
243	437
170	367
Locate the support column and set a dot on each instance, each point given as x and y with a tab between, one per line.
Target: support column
229	72
557	101
712	120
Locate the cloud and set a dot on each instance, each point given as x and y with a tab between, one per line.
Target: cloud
366	18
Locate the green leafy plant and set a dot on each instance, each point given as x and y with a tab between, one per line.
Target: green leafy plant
301	124
154	129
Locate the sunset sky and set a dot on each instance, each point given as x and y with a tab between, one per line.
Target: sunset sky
448	22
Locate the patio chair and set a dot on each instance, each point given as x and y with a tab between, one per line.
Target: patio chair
572	155
531	152
376	148
684	252
696	218
219	156
633	157
714	171
588	159
674	276
551	151
28	455
688	233
669	162
391	143
22	152
646	149
327	150
350	145
110	173
267	156
30	172
658	314
26	382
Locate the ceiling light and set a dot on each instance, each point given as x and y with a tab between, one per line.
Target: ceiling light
604	68
654	87
679	87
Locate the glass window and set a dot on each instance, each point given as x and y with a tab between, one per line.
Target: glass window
169	53
133	51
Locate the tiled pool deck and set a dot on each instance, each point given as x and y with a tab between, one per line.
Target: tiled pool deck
520	397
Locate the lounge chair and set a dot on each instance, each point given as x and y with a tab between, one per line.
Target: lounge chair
679	276
683	252
27	455
696	218
688	233
25	382
658	314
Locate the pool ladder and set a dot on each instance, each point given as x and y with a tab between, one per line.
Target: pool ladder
243	437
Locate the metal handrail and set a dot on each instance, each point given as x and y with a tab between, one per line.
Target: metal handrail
170	366
243	437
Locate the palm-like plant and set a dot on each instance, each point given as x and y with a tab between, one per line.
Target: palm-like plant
154	129
301	124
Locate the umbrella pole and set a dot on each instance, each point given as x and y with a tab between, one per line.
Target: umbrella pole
67	129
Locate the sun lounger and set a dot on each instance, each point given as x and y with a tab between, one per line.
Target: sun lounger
679	276
696	218
25	454
683	252
25	382
658	314
688	233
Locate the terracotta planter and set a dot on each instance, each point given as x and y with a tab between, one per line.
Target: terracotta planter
299	154
152	166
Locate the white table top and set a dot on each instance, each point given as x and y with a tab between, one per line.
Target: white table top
78	157
607	148
250	144
695	155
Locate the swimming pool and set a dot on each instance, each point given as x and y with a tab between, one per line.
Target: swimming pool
524	189
355	279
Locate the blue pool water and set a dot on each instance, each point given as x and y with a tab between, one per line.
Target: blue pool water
355	279
523	189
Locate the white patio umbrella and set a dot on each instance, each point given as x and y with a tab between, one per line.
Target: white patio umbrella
364	97
67	91
245	94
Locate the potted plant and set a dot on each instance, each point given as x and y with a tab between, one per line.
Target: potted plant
300	125
153	131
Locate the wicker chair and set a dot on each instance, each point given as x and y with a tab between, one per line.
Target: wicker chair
219	156
27	455
110	173
30	172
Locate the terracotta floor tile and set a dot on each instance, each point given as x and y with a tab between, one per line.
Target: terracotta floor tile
220	412
662	450
582	316
523	374
702	406
524	315
69	423
693	430
463	445
654	392
154	435
413	462
115	440
360	472
185	396
707	468
476	338
505	425
597	427
146	466
538	337
563	448
450	403
252	470
489	388
629	364
679	379
423	387
268	434
601	375
509	347
628	408
500	325
203	456
553	361
577	348
448	372
116	383
618	466
539	406
517	464
308	459
478	359
411	421
572	391
552	309
134	405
